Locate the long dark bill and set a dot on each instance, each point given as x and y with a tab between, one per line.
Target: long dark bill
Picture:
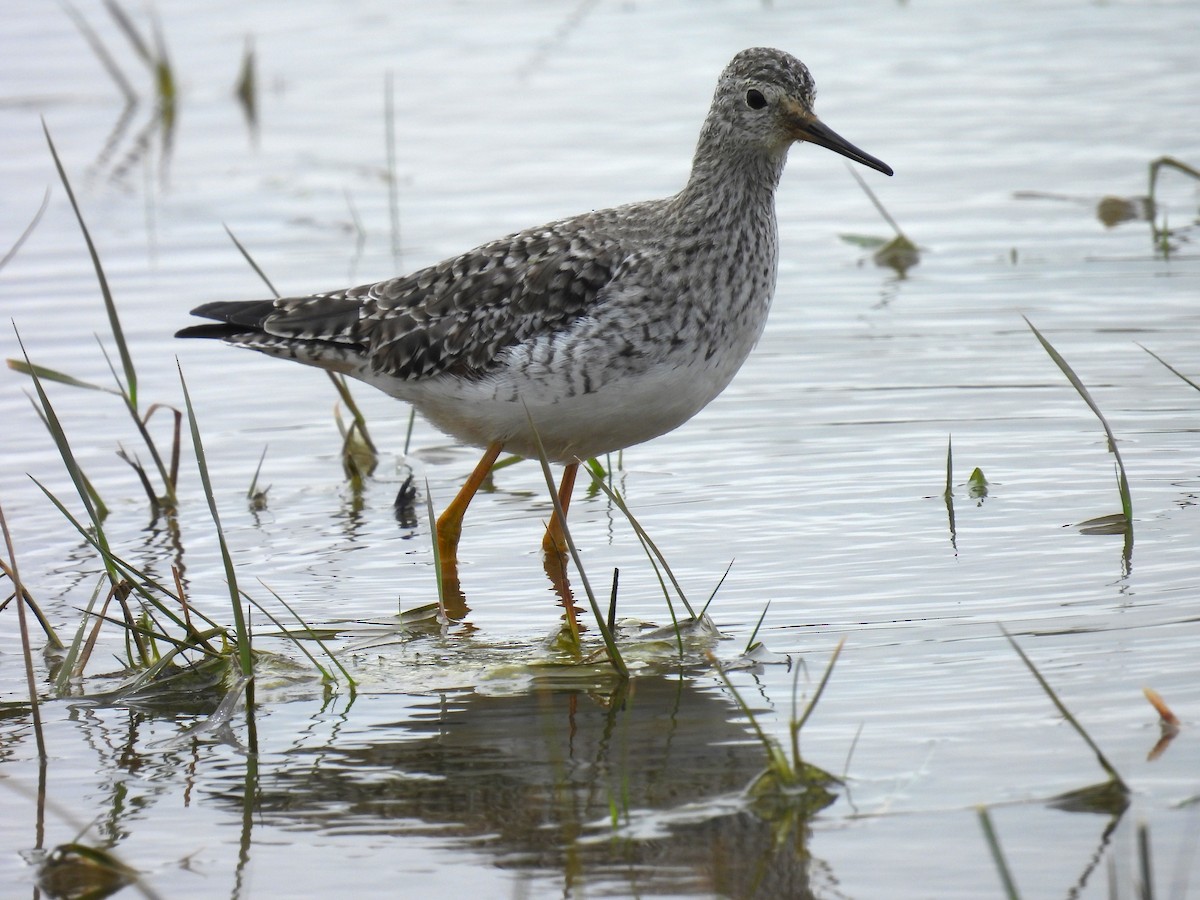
817	132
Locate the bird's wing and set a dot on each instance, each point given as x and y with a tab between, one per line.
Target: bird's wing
458	315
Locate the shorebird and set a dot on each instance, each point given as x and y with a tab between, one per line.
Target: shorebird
605	330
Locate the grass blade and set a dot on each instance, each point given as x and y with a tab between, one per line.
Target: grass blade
713	595
797	723
993	842
312	635
250	259
948	492
1123	480
26	650
610	643
245	658
616	498
752	643
437	555
58	377
777	762
1066	714
37	217
51	635
72	465
110	306
358	430
1170	367
141	583
102	54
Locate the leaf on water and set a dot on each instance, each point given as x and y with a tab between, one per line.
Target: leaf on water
865	241
77	870
1109	797
899	253
1160	706
1112	211
1114	524
803	792
977	484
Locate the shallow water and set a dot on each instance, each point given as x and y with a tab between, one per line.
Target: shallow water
819	472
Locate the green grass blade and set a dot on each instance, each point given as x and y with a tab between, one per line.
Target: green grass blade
798	723
993	842
948	493
325	676
252	492
245	657
26	649
713	595
66	669
58	377
140	47
1066	713
37	217
20	590
1171	368
1123	480
246	88
101	508
73	469
164	74
752	642
776	760
145	586
666	592
353	685
359	429
250	259
641	532
610	642
139	422
887	217
412	420
437	553
102	54
110	306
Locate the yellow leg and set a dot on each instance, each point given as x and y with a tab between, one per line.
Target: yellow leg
449	523
555	541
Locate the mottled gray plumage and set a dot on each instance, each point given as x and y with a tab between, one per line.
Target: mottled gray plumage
610	328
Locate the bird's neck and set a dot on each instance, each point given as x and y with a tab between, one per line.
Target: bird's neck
731	182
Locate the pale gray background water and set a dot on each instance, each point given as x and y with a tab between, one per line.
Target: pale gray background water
819	471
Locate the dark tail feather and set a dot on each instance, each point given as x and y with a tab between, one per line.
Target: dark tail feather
215	330
232	318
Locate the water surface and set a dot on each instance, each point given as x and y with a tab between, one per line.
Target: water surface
819	472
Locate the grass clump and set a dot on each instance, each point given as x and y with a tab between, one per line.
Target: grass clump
788	787
171	648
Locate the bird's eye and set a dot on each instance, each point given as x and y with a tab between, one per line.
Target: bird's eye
755	99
